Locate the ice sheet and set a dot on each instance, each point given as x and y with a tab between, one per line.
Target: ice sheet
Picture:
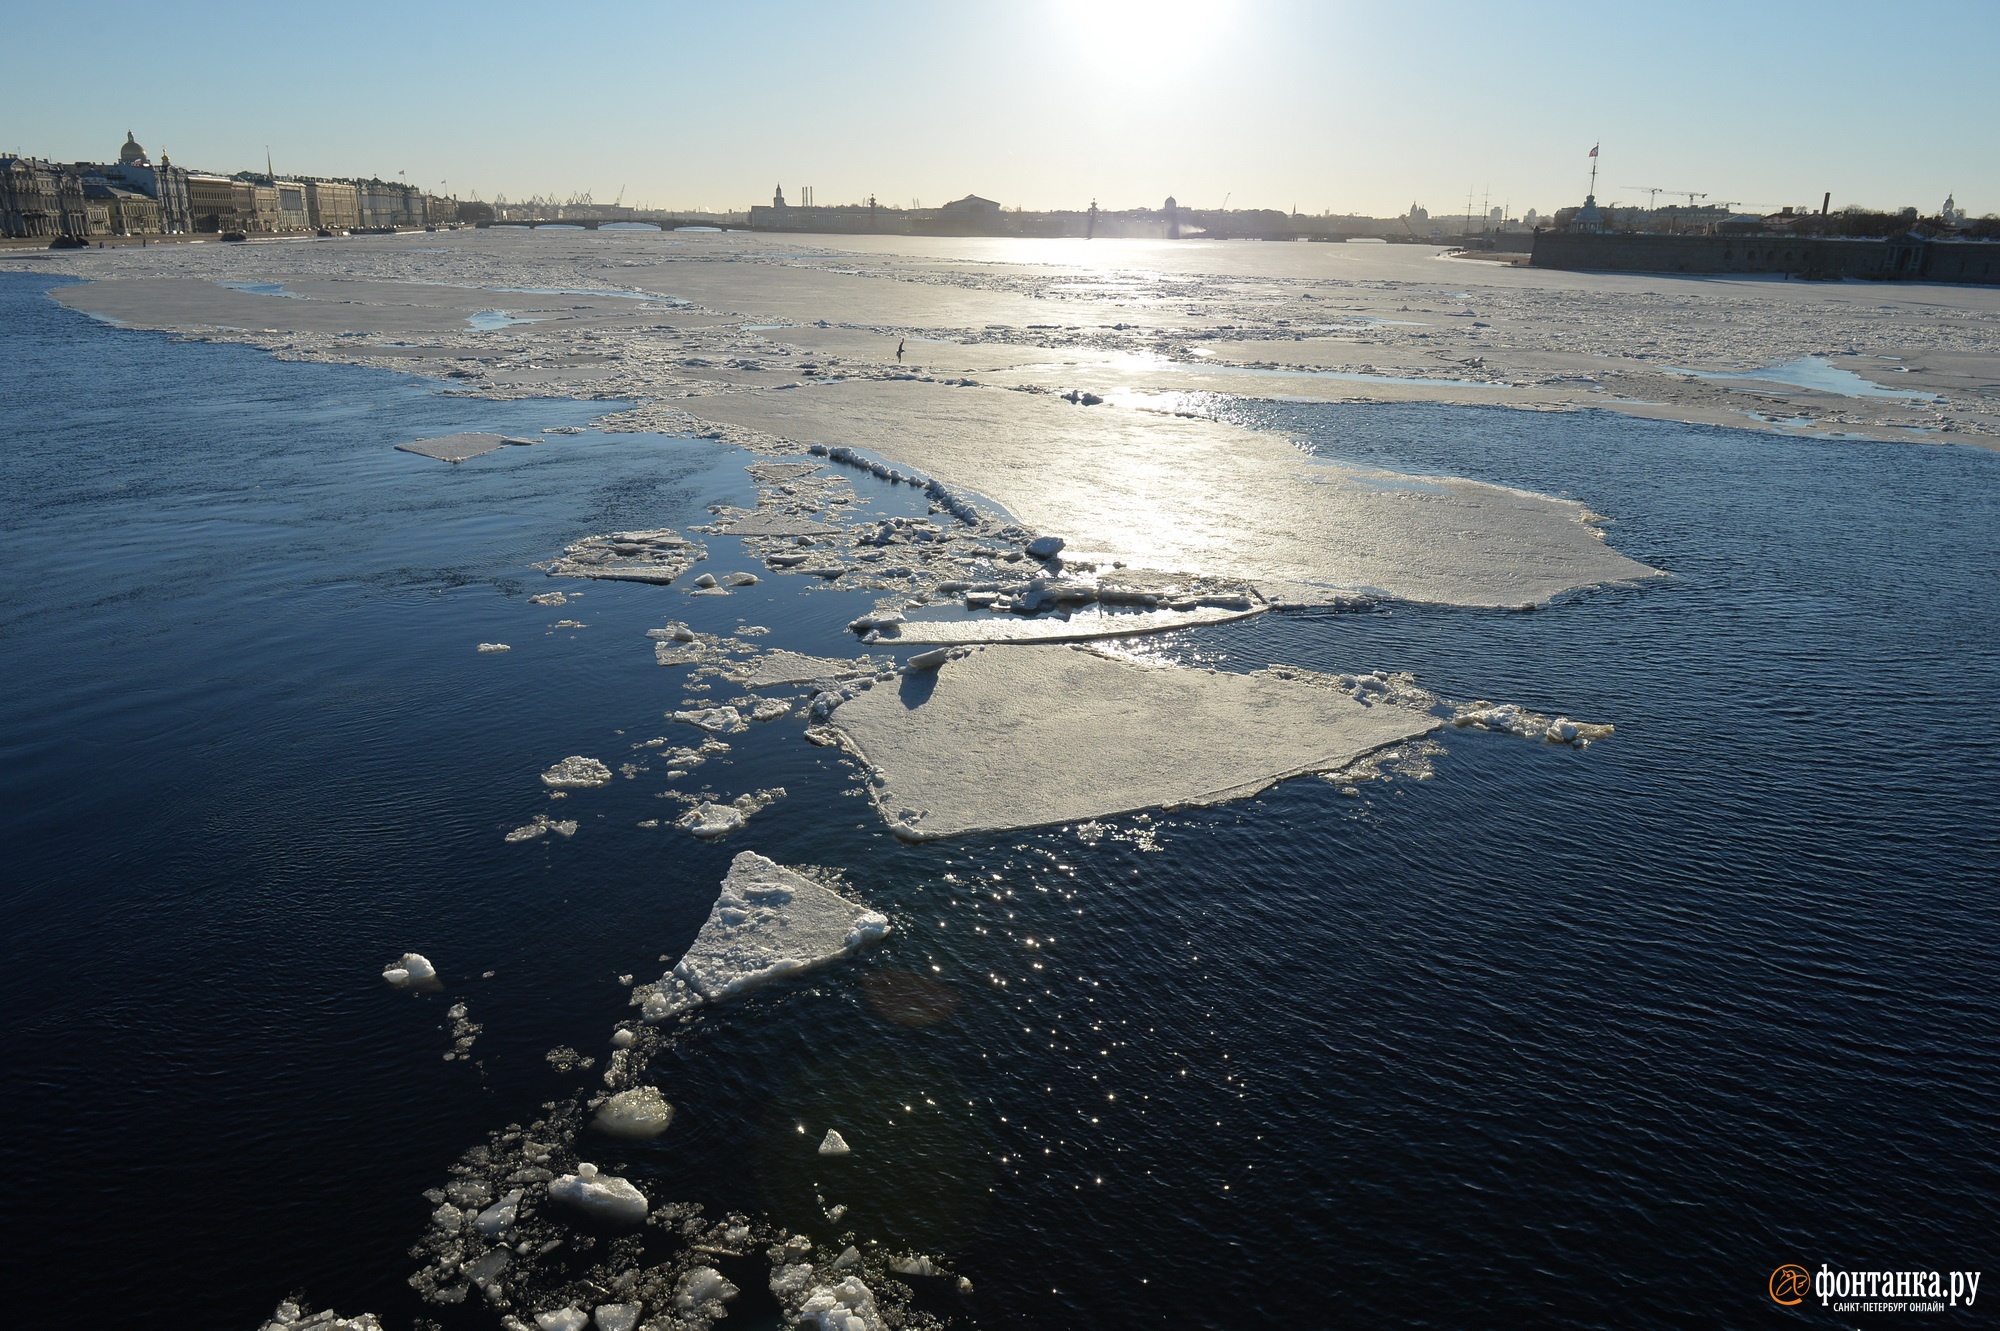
768	923
1009	737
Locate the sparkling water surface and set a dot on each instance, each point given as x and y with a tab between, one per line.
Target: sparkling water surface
1549	1038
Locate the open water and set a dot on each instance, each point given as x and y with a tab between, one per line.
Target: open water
1550	1038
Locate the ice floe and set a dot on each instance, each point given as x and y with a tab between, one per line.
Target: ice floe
562	1319
1513	719
603	1197
290	1317
540	826
715	720
576	773
459	447
834	1144
1024	736
768	923
494	647
658	556
637	1114
414	969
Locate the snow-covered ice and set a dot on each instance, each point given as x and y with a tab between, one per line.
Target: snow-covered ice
562	1319
540	826
413	969
768	923
637	1114
576	773
494	647
601	1196
1006	737
834	1144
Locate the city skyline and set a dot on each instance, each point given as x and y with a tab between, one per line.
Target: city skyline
1043	104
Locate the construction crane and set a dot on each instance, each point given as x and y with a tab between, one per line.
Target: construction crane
1652	191
621	197
1692	194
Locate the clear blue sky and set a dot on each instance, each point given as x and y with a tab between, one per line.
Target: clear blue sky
1353	107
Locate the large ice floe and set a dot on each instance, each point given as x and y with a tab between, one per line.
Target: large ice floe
768	923
459	447
1021	736
1165	492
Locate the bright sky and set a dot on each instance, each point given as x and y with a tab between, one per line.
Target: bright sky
1340	105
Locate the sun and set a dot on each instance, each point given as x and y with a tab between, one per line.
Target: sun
1138	35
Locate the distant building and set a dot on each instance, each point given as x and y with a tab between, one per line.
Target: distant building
970	215
117	211
40	198
219	203
332	205
164	183
292	215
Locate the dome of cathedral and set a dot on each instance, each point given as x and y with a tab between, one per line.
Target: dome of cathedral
131	154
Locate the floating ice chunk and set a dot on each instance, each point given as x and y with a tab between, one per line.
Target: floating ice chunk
637	1114
715	720
541	825
879	619
848	1256
848	1306
632	556
576	773
769	709
414	968
549	598
494	647
1045	547
290	1317
1100	737
705	581
562	1319
498	1218
741	580
618	1316
710	821
1513	719
621	1039
485	1270
768	923
834	1144
704	1286
914	1266
601	1196
1080	625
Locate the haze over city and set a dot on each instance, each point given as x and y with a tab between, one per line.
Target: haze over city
1341	107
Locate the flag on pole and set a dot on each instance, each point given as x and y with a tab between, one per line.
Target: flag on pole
1593	150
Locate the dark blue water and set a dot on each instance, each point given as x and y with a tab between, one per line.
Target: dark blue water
1552	1038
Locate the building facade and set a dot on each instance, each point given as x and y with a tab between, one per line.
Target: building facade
40	198
332	205
219	203
163	182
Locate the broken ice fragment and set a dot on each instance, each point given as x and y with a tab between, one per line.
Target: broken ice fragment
603	1197
768	923
562	1319
618	1316
496	1219
834	1144
494	647
1045	547
414	968
636	1114
541	825
576	773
